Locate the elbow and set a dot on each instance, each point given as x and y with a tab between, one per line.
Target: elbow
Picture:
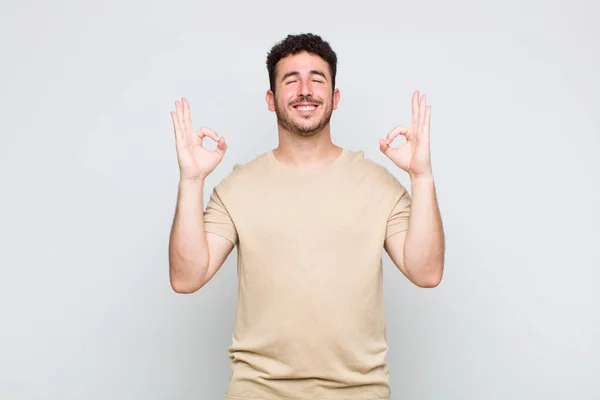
429	282
184	282
430	279
183	287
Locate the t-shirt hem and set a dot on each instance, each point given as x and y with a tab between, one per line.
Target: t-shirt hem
234	397
398	228
221	232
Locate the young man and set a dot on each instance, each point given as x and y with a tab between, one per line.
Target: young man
310	220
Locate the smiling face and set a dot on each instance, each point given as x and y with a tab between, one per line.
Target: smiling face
304	97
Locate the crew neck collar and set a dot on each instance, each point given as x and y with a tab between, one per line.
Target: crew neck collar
340	159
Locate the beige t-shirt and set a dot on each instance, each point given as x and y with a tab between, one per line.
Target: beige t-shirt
310	320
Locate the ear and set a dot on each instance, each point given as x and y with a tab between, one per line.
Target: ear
336	98
270	98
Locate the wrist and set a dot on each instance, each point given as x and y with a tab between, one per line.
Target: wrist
191	182
423	177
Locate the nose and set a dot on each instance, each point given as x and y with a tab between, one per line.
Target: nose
305	87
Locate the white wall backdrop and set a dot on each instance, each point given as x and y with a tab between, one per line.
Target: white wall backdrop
89	180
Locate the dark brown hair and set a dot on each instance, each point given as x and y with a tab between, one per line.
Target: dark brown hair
294	44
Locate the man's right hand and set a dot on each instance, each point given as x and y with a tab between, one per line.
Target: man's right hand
195	162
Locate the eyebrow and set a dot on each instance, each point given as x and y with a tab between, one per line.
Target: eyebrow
312	72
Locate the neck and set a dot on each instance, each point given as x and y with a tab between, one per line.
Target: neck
312	151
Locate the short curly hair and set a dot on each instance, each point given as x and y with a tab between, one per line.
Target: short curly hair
294	44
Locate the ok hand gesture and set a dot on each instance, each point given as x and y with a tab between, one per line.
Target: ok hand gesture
195	162
413	156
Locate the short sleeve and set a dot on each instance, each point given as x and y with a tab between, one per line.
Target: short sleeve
399	216
217	219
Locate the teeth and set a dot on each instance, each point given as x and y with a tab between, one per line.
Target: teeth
306	108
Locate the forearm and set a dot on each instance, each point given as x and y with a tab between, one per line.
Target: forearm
424	243
188	247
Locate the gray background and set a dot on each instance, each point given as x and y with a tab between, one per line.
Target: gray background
89	181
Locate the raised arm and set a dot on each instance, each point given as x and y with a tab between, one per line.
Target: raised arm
194	255
419	251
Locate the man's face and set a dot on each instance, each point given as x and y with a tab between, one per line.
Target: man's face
304	98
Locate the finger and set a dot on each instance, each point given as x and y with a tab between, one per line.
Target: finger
415	109
176	128
427	123
422	105
398	130
179	111
187	117
204	131
221	146
386	148
383	146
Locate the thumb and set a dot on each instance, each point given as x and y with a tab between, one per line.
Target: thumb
221	146
385	147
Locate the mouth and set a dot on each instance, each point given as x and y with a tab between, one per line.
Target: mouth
306	108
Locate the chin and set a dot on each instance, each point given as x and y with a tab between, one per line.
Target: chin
306	126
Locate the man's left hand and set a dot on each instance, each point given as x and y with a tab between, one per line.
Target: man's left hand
413	156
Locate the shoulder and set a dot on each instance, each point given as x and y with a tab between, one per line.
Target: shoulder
244	173
375	172
255	166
